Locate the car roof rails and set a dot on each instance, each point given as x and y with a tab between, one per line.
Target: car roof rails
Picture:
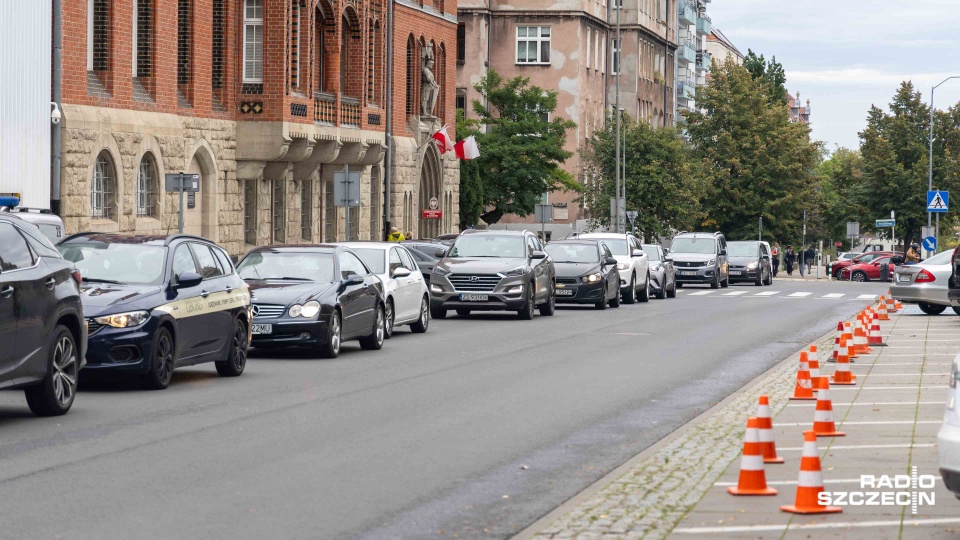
179	236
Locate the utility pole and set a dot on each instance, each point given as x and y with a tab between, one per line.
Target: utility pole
619	7
930	158
760	236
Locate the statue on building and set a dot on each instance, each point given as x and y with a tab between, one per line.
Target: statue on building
429	89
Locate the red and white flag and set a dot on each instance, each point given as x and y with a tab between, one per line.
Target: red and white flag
467	148
443	140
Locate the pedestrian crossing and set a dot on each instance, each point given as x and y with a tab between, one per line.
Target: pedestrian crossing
718	293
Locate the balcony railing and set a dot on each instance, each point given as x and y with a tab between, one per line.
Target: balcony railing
686	54
325	108
350	111
704	25
688	15
703	60
685	90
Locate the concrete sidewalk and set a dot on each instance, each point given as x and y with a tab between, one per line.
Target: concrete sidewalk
891	417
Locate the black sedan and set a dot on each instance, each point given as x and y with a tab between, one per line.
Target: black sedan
586	273
156	303
313	297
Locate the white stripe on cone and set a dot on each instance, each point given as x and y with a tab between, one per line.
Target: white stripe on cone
751	463
810	479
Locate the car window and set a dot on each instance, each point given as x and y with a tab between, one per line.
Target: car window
407	260
15	253
224	261
395	261
373	258
40	244
183	261
351	265
605	250
417	255
531	247
209	268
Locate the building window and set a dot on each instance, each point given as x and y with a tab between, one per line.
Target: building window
98	35
533	44
306	209
413	76
440	71
250	212
461	43
294	43
320	23
615	56
329	214
279	216
375	196
462	100
589	37
147	187
253	41
143	38
183	43
374	53
351	55
219	41
103	189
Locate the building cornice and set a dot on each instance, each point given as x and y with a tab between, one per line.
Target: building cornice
560	13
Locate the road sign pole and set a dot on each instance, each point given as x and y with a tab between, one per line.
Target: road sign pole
346	205
180	179
936	232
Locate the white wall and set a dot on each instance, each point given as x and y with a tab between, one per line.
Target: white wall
25	65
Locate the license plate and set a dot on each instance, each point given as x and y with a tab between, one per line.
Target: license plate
735	272
474	297
688	273
565	292
261	328
901	278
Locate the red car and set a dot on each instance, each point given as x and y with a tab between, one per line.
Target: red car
837	267
868	271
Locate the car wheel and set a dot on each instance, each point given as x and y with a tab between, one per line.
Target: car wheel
662	293
615	301
374	342
54	395
421	325
760	279
672	293
331	349
463	312
236	360
161	361
549	308
726	282
859	276
438	313
645	294
715	284
390	318
631	295
931	309
526	313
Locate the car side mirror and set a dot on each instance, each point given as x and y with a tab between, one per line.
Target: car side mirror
609	261
188	279
354	279
441	253
668	259
537	254
637	253
400	272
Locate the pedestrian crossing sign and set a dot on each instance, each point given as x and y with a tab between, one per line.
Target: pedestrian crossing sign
938	201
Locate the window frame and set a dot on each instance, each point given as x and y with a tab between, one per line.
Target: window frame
250	205
147	199
34	257
539	39
107	180
173	260
197	248
248	24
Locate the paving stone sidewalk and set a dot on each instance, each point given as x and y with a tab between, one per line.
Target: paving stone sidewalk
678	487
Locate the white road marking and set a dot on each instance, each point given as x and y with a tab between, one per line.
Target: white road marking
735	293
833	295
799	295
866	297
628	334
904	387
701	293
866	423
812	526
767	293
862	446
870	403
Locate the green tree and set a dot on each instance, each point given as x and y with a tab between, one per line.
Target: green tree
471	184
663	182
844	189
758	162
771	73
522	150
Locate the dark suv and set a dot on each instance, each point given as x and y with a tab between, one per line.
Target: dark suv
701	257
750	262
43	339
493	271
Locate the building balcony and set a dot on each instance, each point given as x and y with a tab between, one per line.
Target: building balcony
350	112
686	54
704	60
704	25
685	91
688	15
325	108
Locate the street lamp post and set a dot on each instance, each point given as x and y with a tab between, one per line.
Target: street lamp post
930	158
619	210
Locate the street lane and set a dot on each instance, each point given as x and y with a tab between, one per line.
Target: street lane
430	434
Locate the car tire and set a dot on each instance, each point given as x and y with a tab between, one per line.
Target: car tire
526	314
645	295
715	284
672	293
760	279
374	341
55	394
331	349
422	323
931	309
726	282
463	312
162	361
663	290
437	313
615	301
859	277
236	360
631	296
550	307
390	317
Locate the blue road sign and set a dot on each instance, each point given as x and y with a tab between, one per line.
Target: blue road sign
880	223
930	243
938	201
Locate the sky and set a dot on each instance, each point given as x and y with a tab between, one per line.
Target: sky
846	55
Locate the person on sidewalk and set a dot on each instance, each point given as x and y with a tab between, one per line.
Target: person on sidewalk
790	257
809	257
775	258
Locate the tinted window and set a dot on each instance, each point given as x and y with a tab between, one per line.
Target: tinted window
653	253
223	260
136	264
290	266
407	260
372	257
40	244
183	261
15	253
572	253
489	245
208	263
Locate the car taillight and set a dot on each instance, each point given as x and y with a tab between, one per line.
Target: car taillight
76	277
924	277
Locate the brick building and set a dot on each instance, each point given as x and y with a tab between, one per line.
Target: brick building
266	100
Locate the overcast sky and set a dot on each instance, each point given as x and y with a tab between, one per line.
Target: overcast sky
845	55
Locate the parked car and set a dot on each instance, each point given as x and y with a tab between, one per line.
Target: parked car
586	272
407	300
701	257
663	275
425	255
836	267
313	297
871	271
632	264
155	303
43	339
925	284
493	271
750	262
49	223
948	439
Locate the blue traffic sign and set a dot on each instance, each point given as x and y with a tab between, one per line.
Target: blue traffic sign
938	201
880	223
930	243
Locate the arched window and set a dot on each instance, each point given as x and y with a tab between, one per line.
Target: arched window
147	187
103	188
351	54
413	76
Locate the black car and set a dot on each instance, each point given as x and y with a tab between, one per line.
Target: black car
425	255
155	303
750	261
586	273
315	297
42	335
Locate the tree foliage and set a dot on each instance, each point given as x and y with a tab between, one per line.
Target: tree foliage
471	183
523	147
771	73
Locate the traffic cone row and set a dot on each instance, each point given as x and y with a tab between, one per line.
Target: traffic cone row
843	375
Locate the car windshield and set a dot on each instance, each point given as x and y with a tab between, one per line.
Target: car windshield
134	264
693	245
371	257
742	249
866	257
489	245
573	253
940	258
617	247
653	254
290	265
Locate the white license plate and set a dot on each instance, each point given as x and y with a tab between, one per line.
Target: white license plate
261	328
735	272
688	273
902	278
474	297
565	292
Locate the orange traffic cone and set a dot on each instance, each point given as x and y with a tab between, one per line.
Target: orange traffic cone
874	338
814	366
823	424
753	479
891	305
804	387
882	312
848	335
859	342
765	430
897	306
811	481
836	342
843	375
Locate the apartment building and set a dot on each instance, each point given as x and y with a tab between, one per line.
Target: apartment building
799	113
722	48
693	58
265	100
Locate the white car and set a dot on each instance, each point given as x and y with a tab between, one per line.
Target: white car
407	299
632	264
948	440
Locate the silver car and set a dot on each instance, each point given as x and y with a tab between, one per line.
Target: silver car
663	276
924	284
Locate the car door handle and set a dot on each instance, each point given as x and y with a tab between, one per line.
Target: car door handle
229	289
204	294
50	283
6	292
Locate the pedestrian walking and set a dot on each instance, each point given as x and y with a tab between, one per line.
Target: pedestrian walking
809	257
776	258
790	257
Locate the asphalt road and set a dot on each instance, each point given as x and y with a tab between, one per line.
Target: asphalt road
477	428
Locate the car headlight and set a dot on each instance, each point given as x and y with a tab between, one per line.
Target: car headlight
310	309
124	320
752	266
711	262
592	278
622	266
518	271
